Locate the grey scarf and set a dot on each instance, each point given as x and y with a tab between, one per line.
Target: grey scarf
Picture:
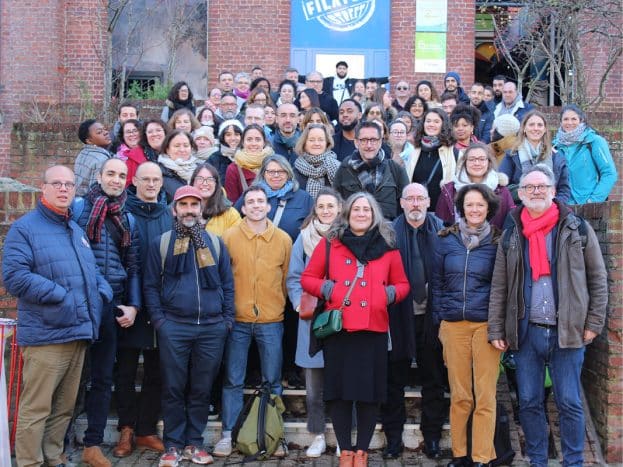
472	237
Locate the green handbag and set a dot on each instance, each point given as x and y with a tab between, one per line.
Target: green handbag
329	322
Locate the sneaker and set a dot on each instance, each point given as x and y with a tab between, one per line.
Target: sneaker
317	447
282	449
223	447
197	455
171	458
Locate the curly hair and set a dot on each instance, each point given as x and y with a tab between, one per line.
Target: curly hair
445	136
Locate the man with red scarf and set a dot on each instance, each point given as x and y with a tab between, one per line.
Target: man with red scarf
548	301
101	214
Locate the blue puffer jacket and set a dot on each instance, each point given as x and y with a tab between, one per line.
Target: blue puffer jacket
462	279
181	297
122	275
592	172
511	166
298	206
49	266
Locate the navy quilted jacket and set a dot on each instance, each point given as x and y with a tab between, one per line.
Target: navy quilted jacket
49	266
462	279
123	275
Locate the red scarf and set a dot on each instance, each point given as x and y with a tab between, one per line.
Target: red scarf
535	230
64	213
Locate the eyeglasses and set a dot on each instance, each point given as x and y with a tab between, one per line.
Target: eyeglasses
130	132
58	185
480	160
413	199
398	132
314	81
369	140
402	88
201	180
534	188
276	173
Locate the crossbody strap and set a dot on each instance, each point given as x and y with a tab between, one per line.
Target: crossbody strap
279	212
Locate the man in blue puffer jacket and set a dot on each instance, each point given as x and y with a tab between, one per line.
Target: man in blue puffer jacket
115	244
49	266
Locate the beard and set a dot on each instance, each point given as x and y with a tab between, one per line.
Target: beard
351	126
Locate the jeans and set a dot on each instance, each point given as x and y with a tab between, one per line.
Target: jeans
540	348
139	411
186	397
102	355
268	337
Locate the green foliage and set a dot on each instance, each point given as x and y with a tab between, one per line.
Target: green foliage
156	91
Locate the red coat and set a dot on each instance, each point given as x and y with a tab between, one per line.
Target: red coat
368	300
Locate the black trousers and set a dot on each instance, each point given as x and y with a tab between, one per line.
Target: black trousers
434	377
139	411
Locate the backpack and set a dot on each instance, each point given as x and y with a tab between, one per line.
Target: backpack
259	430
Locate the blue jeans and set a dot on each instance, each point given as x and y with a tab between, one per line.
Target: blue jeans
186	396
540	348
102	354
268	337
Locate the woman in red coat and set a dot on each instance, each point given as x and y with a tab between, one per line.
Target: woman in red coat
363	250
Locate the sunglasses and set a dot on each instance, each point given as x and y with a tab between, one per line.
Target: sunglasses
402	88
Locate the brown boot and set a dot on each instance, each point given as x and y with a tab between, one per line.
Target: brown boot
346	458
124	445
360	459
151	442
94	457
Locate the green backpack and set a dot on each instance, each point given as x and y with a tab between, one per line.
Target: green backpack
259	430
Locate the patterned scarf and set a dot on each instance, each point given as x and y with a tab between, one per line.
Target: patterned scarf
566	138
430	143
317	169
122	152
369	173
529	156
107	207
183	262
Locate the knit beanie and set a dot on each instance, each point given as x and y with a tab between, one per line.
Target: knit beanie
453	74
506	125
227	124
205	131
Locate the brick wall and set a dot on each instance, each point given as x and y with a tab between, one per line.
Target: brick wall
243	33
603	366
50	52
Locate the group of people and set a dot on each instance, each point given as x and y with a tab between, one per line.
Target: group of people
189	237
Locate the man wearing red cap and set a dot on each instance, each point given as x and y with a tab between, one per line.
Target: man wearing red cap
189	295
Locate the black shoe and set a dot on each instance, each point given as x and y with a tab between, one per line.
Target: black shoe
481	464
460	462
431	448
392	450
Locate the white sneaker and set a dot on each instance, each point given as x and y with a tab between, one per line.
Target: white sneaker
317	447
223	447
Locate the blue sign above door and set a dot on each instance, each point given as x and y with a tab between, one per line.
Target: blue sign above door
352	27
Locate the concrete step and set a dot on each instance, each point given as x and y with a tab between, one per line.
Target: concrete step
295	430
